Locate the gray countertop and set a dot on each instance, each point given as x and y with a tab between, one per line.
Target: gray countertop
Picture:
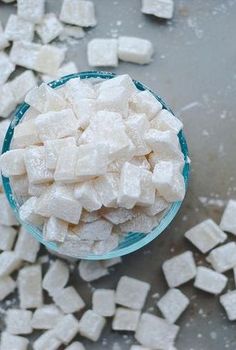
194	70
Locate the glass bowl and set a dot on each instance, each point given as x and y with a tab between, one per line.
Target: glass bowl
131	241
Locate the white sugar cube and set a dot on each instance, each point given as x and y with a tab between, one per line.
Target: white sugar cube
103	301
68	300
223	258
18	29
25	134
7	286
31	10
114	100
166	121
159	8
88	196
158	206
179	269
75	346
3	40
8	103
67	328
84	109
27	246
111	262
78	12
55	230
9	262
91	325
155	332
130	187
136	125
7	217
168	181
89	217
46	317
22	84
27	212
47	340
30	114
66	165
139	223
165	142
147	196
91	270
97	230
177	158
9	341
67	68
6	67
123	80
118	216
12	162
7	237
24	53
131	292
228	301
210	281
56	277
53	148
172	304
49	59
35	163
205	235
228	220
74	246
37	189
30	287
18	321
107	189
49	28
102	53
135	50
107	245
78	89
125	319
20	184
145	102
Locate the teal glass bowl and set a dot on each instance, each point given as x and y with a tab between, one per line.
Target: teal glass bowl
131	241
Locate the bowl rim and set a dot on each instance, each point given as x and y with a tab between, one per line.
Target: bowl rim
119	251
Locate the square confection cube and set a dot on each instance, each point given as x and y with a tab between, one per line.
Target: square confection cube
223	258
96	231
228	220
49	59
68	300
107	245
30	287
102	53
145	102
205	235
53	148
165	142
78	89
114	100
134	50
46	317
147	196
88	196
18	321
118	215
7	286
9	262
6	67
49	28
136	135
103	301
47	340
66	165
91	325
173	304
78	12
37	190
159	8
228	301
66	328
7	217
179	269
210	281
7	237
139	223
91	270
130	186
84	109
27	212
27	246
24	53
22	84
73	245
123	80
155	332
18	29
56	277
25	134
8	103
75	346
12	162
157	207
31	10
55	230
125	320
9	341
90	217
107	188
165	120
131	292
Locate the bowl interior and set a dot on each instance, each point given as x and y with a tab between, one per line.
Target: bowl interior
131	241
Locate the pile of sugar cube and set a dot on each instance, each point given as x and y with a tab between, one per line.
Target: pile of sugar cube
94	161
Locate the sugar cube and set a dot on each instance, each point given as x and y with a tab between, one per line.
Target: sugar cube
7	286
136	125
18	29
74	246
55	230
56	277
165	142
159	8
105	246
37	189
66	165
31	10
78	12
79	89
18	321
46	317
8	103
179	269
172	304
67	328
97	230
20	184
119	80
75	346
27	212
24	53
210	281
165	120
155	332
9	262
68	300
228	301
30	287
205	235
125	320
49	28
102	53
131	292
139	223
6	67
91	270
9	341
145	102
158	206
84	109
114	100
223	258
103	301
21	85
53	148
12	162
7	237
147	196
130	187
107	189
25	134
91	325
30	114
135	50
7	217
88	196
228	220
47	340
117	216
89	217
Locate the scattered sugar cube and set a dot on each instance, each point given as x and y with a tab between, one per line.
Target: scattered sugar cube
56	277
158	206
21	85
179	269
123	80
67	328
166	121
9	262
68	300
25	134
88	196
209	280
3	40
12	162
117	216
7	237
67	68
6	67
134	50
228	301
139	223
131	292
18	28
114	100
111	262
27	212
47	340
53	148
125	319
129	189
18	321
107	245
7	286
145	102
107	189
205	235
78	12
103	301
55	230
173	304
91	270
102	53
7	217
159	8
91	325
49	28
97	230
37	190
8	103
30	287
66	165
228	220
155	332
9	341
75	346
223	258
46	317
24	53
31	10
